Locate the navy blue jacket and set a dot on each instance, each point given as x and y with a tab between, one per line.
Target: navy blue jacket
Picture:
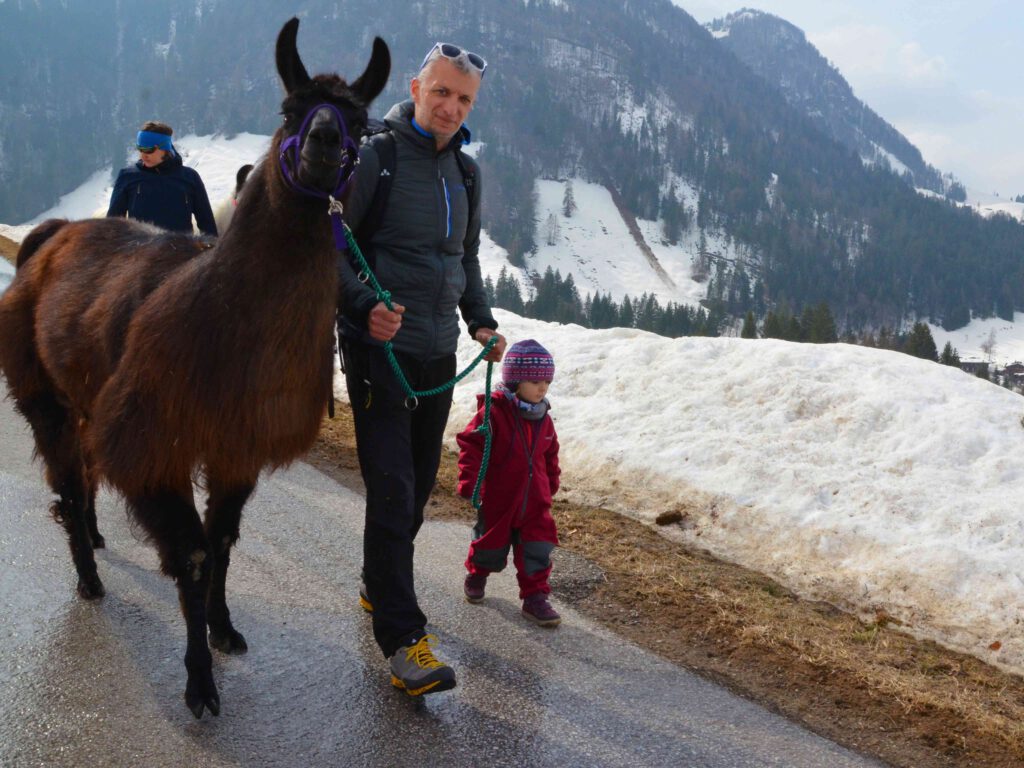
167	195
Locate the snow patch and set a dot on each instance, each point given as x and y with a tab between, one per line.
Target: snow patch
867	478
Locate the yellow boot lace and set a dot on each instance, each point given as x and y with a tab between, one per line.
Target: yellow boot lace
421	654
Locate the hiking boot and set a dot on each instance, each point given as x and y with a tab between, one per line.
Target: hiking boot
364	601
538	610
415	670
474	586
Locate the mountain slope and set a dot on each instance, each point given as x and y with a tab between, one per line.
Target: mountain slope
635	96
780	53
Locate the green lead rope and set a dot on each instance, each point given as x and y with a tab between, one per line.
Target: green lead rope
412	396
485	427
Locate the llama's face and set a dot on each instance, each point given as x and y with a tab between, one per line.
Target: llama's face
330	140
330	137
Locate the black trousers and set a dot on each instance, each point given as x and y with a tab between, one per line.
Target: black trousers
399	453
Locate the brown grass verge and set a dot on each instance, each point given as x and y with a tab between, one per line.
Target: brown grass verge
868	686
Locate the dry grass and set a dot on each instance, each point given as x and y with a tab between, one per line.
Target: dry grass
866	685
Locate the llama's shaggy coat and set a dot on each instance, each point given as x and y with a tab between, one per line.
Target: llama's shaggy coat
149	359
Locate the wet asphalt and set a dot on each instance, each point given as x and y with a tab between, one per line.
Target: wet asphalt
101	683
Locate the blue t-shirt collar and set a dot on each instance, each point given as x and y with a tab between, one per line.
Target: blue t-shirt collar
463	135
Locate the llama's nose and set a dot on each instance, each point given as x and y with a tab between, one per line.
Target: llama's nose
325	129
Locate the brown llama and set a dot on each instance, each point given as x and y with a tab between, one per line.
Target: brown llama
149	359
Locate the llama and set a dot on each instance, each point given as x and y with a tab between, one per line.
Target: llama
148	359
225	209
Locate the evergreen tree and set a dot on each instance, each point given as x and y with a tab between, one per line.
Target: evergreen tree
773	328
673	217
949	356
822	326
627	317
568	201
508	294
749	327
792	331
921	344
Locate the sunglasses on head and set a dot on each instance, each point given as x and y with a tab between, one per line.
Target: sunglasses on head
147	150
453	52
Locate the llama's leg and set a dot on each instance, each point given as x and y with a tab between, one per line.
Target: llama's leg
223	515
173	526
58	444
98	542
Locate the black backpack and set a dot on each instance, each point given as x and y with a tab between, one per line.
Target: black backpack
380	137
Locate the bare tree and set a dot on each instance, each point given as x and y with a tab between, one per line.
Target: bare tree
989	345
552	229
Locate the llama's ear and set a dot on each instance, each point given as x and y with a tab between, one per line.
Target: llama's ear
369	84
289	66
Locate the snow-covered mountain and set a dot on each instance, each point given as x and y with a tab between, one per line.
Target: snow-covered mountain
636	98
594	244
780	53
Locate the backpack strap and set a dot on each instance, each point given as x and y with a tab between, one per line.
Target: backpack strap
382	140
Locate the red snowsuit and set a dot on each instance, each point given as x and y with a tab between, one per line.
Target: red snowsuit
515	509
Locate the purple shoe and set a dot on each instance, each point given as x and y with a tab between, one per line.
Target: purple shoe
474	586
538	610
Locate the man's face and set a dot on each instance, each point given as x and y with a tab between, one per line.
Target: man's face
443	97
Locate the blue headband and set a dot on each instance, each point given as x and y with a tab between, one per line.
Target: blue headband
151	139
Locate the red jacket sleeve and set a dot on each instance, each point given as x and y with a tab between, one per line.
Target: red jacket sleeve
552	458
471	451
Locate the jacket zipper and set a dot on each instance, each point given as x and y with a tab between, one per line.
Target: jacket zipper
448	209
529	461
440	258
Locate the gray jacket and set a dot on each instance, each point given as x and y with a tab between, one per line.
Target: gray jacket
425	250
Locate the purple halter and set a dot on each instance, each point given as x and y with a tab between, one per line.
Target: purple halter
350	156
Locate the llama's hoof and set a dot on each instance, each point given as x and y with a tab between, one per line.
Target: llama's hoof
91	588
200	696
228	642
98	542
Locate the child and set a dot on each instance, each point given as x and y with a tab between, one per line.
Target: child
522	476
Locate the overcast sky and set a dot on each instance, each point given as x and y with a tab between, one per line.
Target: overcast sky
949	74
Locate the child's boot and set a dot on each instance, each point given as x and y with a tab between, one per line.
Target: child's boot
474	586
538	610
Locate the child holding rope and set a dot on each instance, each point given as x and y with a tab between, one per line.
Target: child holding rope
522	476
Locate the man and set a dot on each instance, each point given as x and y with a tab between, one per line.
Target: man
160	189
424	251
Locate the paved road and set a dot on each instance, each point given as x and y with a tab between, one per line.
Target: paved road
101	683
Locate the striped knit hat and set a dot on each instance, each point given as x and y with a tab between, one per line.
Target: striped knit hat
527	361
